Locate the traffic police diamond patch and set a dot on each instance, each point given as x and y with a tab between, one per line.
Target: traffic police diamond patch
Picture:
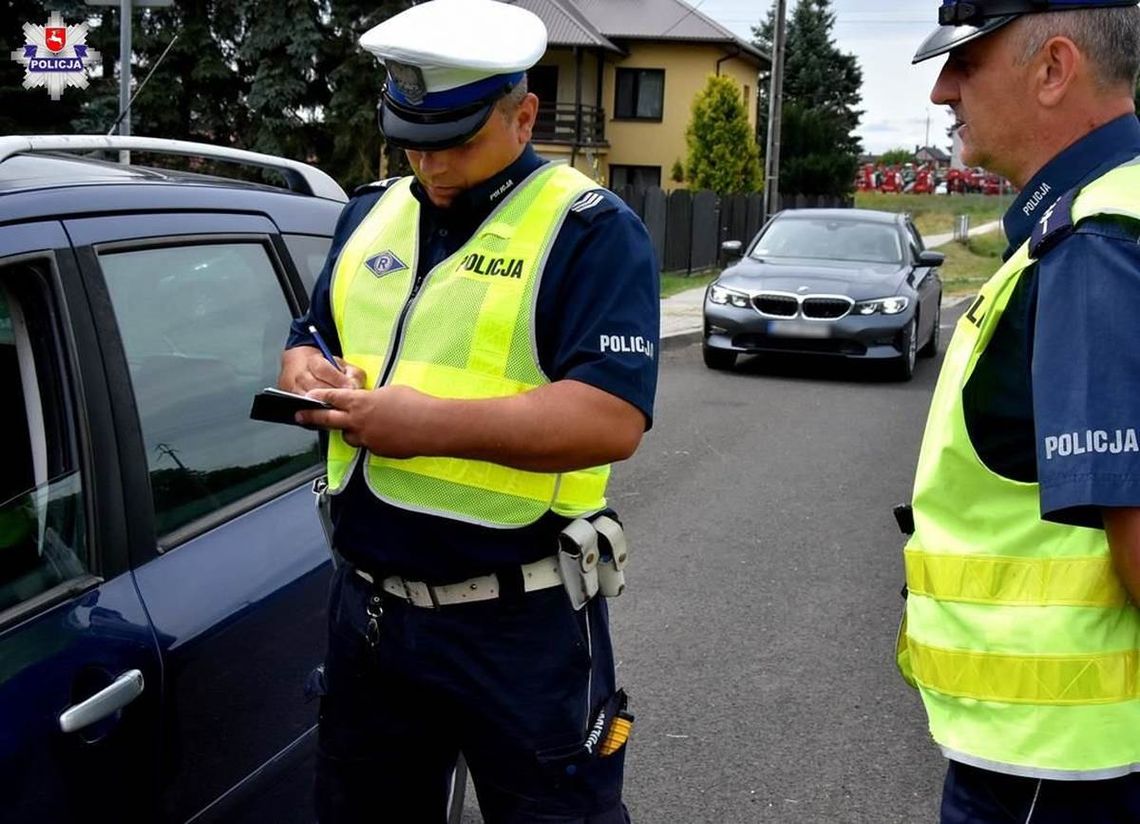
385	263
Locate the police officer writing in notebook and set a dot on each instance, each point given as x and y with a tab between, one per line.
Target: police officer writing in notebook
496	319
1023	632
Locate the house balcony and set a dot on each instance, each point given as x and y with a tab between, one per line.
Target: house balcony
565	124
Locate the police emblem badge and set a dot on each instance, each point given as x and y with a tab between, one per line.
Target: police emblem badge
55	56
409	80
384	263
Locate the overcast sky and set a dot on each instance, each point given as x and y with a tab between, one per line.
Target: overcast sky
883	36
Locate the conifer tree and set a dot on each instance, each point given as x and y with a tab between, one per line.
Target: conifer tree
821	94
723	155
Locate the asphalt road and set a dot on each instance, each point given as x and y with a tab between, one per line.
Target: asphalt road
756	639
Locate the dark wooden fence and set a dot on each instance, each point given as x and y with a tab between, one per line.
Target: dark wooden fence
688	227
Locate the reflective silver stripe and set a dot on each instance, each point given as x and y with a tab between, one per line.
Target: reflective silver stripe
1039	772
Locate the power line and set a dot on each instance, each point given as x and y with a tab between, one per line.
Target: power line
682	18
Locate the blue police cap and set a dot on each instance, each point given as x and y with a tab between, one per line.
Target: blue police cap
960	21
448	63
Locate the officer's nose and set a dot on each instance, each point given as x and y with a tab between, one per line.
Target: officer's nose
433	163
945	90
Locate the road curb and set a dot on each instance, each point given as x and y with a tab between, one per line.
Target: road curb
679	340
951	302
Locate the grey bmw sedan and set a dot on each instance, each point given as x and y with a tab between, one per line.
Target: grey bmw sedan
852	283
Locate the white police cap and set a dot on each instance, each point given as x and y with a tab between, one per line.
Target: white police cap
448	62
961	21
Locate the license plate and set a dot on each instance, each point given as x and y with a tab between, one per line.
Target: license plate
798	329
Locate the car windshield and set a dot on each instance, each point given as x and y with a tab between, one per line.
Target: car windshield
829	239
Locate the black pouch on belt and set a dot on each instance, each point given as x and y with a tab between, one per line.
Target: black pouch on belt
608	733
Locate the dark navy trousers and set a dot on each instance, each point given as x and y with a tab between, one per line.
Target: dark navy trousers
975	796
512	683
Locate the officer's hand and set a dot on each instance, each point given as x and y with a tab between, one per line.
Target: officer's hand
388	421
304	368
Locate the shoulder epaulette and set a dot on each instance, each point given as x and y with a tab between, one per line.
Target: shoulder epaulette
1054	225
594	203
375	186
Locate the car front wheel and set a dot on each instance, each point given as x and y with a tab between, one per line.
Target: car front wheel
932	344
904	366
719	359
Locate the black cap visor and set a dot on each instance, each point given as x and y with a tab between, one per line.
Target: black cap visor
431	131
945	38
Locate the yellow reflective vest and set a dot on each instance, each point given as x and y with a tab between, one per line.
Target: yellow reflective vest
1018	633
467	332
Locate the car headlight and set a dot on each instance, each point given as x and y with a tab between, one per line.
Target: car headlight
718	294
884	306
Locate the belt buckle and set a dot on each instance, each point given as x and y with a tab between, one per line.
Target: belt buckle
410	593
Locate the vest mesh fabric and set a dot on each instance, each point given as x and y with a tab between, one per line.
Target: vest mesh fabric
1017	632
468	334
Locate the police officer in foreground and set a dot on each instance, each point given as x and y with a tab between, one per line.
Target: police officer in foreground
495	319
1022	630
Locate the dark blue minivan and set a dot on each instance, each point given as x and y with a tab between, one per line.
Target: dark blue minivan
163	571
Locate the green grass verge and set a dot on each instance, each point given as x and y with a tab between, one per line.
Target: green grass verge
970	265
935	214
674	282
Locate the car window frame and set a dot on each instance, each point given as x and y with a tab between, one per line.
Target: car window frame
79	369
915	239
147	543
302	287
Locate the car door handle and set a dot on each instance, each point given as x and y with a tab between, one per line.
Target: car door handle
125	689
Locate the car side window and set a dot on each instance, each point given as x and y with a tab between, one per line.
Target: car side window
203	327
42	513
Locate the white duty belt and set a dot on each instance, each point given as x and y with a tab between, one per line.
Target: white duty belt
537	575
592	555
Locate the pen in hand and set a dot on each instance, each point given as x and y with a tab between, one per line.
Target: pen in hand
324	347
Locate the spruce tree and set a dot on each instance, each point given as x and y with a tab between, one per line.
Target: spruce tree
821	95
723	155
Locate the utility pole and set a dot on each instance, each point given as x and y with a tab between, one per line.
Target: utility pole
125	20
775	114
125	7
927	143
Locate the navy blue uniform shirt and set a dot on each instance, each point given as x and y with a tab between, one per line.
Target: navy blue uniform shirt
1055	398
597	321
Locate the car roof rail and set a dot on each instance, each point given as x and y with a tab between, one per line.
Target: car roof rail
300	177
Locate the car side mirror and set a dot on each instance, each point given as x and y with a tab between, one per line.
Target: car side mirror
732	248
928	258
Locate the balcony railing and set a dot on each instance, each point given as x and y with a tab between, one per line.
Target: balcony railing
570	124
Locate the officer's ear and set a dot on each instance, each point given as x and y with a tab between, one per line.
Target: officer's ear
1060	64
524	117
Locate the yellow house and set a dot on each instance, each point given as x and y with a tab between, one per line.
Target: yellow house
617	83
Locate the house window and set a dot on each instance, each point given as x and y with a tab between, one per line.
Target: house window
640	94
639	177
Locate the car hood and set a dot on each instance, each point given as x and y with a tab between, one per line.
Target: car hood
859	281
